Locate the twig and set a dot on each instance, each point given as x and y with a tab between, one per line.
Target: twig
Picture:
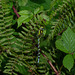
15	11
56	72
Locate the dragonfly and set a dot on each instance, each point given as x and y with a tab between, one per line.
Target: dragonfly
40	33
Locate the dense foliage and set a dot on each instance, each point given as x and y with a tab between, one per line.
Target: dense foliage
20	21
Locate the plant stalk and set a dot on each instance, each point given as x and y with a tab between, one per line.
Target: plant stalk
56	72
15	11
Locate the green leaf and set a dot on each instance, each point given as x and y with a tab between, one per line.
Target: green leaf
22	2
20	20
68	38
67	42
25	12
38	10
60	46
24	19
68	61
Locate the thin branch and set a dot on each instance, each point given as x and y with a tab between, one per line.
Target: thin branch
15	11
56	72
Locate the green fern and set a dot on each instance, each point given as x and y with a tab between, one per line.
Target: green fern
66	13
20	52
7	40
29	39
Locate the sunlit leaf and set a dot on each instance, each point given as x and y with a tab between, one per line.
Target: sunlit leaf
25	12
25	17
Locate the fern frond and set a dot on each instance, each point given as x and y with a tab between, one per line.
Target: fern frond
66	13
29	42
6	33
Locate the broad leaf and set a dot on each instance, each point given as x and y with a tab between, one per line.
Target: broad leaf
25	17
68	61
67	42
68	38
60	46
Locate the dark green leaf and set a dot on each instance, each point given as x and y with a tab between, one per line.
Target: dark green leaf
68	61
60	46
68	38
67	42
